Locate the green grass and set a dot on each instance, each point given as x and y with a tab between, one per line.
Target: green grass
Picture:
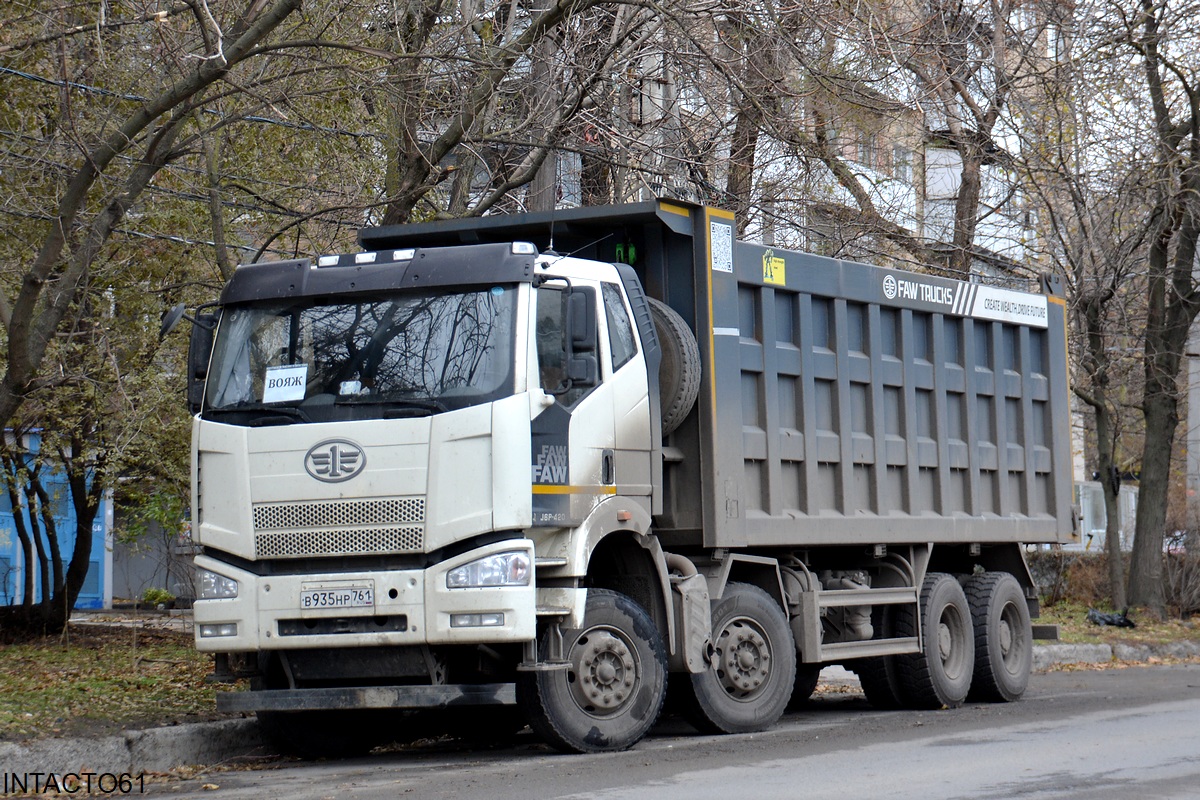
97	680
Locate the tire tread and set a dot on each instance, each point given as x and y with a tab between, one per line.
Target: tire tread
986	686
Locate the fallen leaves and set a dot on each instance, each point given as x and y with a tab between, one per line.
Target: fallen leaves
101	679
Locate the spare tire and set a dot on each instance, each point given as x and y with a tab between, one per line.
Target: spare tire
679	370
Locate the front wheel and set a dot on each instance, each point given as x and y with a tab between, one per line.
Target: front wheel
754	665
1003	637
613	687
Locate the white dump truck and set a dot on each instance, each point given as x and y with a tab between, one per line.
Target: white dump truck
550	462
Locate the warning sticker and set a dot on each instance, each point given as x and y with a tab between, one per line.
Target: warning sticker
774	269
285	384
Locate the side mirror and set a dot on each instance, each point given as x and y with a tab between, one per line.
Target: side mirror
199	352
581	320
170	320
583	333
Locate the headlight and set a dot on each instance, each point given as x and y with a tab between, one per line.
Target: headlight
211	586
502	569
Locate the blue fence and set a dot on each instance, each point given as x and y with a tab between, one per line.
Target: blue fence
97	586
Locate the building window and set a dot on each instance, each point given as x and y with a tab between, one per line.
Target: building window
866	149
902	159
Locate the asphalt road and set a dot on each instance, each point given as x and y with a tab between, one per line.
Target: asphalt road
1101	735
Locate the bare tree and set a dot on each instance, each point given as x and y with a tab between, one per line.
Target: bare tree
1164	36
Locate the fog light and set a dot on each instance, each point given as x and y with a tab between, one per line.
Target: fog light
223	629
490	620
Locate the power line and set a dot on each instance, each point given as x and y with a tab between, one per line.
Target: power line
96	90
157	236
174	166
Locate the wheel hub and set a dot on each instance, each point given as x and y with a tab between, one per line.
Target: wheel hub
744	658
604	672
1006	638
945	641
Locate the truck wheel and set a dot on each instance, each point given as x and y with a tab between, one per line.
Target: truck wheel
324	734
754	666
1003	637
807	677
679	371
614	686
877	677
877	674
939	675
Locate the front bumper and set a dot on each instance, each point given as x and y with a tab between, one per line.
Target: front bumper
410	607
326	699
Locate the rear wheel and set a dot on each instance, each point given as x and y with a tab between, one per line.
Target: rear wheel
754	665
807	677
1003	637
877	677
939	675
877	674
613	687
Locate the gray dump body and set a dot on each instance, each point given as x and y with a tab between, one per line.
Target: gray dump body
841	403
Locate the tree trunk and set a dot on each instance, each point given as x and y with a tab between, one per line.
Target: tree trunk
23	538
1145	566
1112	488
966	214
742	148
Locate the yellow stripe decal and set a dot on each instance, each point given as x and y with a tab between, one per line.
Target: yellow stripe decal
543	488
674	209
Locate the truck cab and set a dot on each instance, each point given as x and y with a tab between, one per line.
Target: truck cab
389	446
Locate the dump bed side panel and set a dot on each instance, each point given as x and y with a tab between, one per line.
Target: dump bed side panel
855	404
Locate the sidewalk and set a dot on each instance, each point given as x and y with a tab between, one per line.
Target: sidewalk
210	743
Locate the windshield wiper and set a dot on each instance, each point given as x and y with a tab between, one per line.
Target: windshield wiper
271	415
398	406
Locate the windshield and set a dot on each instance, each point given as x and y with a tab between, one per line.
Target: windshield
429	351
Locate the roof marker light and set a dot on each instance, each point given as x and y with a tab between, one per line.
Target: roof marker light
404	255
523	249
327	261
364	258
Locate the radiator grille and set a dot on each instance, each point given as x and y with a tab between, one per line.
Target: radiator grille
362	541
339	528
338	513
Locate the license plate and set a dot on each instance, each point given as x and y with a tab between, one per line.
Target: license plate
338	597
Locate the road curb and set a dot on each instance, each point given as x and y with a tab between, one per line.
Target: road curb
136	752
1049	655
209	743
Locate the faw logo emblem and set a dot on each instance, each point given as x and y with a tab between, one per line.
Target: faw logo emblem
889	287
335	460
